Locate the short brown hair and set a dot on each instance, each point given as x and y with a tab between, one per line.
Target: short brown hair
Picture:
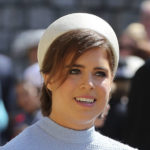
74	42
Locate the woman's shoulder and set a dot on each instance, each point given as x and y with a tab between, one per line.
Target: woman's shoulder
111	144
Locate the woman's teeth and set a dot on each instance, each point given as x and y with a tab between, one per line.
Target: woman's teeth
87	100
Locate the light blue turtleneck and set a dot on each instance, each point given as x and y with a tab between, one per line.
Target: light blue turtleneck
48	135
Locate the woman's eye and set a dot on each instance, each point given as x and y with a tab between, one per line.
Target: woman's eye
74	71
100	74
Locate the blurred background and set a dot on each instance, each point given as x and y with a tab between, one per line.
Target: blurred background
19	15
22	23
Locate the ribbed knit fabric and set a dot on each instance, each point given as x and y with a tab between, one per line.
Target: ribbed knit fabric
48	135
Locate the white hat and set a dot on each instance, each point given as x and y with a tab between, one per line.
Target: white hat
78	21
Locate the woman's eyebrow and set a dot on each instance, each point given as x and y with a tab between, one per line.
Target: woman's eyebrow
75	65
100	68
82	66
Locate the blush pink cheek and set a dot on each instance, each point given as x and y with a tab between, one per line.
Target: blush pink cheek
103	90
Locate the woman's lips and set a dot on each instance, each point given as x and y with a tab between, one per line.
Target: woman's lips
85	100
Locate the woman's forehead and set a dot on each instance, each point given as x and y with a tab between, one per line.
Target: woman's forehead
84	55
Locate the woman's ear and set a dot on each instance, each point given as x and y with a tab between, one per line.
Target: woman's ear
47	82
49	86
45	77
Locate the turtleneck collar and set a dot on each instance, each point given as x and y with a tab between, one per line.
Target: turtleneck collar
66	134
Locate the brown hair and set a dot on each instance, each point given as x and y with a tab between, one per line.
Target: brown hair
73	43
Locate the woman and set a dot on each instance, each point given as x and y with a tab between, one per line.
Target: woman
78	57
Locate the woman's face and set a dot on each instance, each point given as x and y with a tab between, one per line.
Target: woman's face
83	96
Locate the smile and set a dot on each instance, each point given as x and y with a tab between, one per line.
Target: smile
85	100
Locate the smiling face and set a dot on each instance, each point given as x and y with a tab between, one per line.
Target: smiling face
83	96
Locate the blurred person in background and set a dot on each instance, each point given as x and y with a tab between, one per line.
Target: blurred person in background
7	96
24	50
134	41
145	16
116	119
25	69
3	116
138	125
28	99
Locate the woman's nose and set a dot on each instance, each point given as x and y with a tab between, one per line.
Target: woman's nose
87	82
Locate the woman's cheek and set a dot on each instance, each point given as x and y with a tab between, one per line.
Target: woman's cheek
74	80
104	88
70	83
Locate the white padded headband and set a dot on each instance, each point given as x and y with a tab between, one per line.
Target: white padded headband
78	21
